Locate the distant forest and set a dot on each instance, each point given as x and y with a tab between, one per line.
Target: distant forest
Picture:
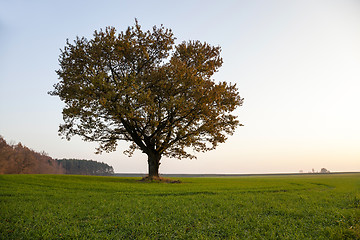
85	167
19	159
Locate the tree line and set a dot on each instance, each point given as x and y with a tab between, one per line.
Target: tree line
85	167
19	159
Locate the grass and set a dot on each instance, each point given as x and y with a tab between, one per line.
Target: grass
272	207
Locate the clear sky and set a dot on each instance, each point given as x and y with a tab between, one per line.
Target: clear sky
296	63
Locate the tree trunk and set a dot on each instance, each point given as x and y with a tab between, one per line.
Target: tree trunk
154	163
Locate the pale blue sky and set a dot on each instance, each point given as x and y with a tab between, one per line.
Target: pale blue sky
296	63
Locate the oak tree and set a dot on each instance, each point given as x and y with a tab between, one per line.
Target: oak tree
139	86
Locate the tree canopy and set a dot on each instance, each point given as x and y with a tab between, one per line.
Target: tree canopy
139	86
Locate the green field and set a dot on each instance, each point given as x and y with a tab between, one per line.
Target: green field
269	207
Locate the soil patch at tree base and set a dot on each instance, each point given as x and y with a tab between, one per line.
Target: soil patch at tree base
158	180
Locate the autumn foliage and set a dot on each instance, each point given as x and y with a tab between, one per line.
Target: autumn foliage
139	86
18	159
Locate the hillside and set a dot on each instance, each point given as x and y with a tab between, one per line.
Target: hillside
19	159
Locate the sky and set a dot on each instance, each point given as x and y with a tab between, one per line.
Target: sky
296	64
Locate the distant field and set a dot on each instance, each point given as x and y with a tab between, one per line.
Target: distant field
252	207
